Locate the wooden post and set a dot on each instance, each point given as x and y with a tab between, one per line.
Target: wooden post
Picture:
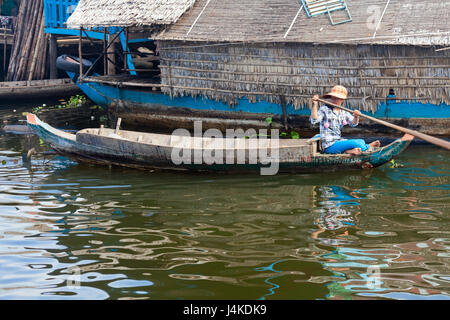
169	72
125	53
44	59
5	44
112	55
283	107
105	56
119	121
80	53
53	53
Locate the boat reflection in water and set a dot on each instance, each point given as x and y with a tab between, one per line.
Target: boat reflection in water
165	237
381	269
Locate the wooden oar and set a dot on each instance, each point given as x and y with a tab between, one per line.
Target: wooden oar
439	142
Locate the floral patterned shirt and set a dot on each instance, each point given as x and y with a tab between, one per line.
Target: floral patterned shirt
331	124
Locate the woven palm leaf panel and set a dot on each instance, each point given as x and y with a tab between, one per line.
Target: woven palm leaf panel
228	72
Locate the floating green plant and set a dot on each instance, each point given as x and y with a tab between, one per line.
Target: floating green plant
74	102
395	164
291	135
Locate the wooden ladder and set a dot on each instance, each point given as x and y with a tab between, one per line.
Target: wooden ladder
317	7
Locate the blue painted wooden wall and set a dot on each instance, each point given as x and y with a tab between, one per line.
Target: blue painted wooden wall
58	11
56	14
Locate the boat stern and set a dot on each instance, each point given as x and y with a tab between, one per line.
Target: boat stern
387	153
47	133
32	119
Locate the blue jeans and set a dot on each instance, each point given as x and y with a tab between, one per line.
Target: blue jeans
343	145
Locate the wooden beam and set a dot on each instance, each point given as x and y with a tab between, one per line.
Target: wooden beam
111	54
80	53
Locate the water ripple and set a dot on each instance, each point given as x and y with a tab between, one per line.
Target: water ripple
71	231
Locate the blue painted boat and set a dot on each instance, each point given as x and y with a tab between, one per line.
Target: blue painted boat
183	152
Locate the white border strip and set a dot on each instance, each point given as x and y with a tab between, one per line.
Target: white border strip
379	22
293	21
197	18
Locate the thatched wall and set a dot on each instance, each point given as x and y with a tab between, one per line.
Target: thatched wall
227	72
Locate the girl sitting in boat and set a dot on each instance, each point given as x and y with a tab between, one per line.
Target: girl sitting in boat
331	122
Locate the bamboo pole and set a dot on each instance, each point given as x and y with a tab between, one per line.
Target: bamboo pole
125	83
37	52
44	59
17	40
44	48
26	48
300	85
314	59
35	46
296	75
428	66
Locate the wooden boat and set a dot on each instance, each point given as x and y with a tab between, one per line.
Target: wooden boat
37	89
156	151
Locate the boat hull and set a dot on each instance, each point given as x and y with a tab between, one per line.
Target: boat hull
37	89
92	147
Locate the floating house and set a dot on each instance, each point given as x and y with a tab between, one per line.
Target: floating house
237	62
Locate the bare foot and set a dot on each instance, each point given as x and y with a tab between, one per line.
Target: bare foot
375	144
354	151
407	137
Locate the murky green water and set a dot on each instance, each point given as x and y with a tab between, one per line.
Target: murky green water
70	231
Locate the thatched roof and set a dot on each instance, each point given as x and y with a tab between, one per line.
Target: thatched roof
126	13
416	22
